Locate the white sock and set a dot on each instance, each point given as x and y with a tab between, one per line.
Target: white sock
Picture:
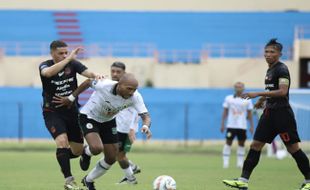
87	151
101	168
226	155
128	172
132	165
240	156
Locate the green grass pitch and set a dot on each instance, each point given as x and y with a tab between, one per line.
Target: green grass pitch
34	167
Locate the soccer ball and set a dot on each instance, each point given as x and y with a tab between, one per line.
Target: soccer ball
164	182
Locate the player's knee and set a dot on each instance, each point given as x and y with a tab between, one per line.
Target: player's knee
257	145
77	151
96	149
62	142
292	148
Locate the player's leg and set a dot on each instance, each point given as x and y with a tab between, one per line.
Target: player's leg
241	135
108	135
264	133
57	128
90	129
75	136
227	147
290	137
124	146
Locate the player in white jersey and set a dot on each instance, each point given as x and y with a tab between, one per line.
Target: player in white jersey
97	120
236	111
127	126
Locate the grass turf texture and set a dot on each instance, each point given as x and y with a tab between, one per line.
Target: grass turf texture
32	166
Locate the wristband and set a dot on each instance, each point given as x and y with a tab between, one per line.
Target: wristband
145	126
71	98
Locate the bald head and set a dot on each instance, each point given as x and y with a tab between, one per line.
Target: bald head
127	85
128	79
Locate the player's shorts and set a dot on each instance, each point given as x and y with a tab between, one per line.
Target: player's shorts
106	130
239	133
58	123
275	122
123	142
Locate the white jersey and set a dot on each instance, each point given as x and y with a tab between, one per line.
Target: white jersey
237	111
104	103
127	119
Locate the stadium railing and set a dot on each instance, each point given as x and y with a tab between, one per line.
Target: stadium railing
146	50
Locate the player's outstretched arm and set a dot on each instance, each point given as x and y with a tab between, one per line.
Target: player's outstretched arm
282	91
57	67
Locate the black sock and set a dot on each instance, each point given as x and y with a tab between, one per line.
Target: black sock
63	158
302	163
72	155
250	163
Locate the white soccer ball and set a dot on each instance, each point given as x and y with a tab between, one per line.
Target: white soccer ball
164	182
281	154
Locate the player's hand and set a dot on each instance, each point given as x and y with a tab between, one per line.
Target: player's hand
249	95
259	104
61	101
74	53
132	136
222	129
146	130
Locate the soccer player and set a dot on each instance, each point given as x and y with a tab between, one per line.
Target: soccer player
58	77
236	111
126	125
277	119
98	123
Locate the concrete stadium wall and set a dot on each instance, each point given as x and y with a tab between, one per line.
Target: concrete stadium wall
162	5
216	73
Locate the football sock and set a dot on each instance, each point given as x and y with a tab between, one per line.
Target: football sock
226	155
132	165
240	156
63	158
302	163
250	163
101	168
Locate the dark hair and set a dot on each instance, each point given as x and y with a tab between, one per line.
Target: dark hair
273	42
119	65
57	44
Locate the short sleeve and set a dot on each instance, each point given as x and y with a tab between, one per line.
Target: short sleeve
138	104
250	105
97	84
43	66
283	73
225	103
78	66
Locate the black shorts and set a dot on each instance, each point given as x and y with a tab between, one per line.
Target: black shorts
106	130
124	143
59	122
275	122
232	133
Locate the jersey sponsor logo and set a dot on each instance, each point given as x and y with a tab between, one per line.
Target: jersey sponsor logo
61	82
269	85
89	126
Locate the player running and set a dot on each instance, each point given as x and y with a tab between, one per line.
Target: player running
127	125
278	119
58	77
236	110
98	123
